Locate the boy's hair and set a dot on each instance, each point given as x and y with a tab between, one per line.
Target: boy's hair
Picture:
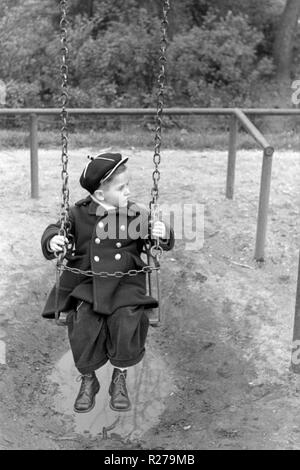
118	171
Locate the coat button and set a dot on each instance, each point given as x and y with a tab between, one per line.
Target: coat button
118	244
117	256
96	258
101	224
122	227
97	240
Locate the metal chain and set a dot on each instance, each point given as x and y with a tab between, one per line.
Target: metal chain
64	210
160	105
131	272
156	250
160	101
64	215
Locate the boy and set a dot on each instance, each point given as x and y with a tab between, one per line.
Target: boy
106	319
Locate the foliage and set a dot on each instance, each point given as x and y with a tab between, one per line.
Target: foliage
22	94
218	54
119	67
216	64
26	57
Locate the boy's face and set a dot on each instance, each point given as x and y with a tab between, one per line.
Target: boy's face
116	192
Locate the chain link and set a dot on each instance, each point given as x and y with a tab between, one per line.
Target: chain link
160	105
64	214
131	272
160	100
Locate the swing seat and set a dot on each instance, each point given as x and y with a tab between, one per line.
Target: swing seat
61	318
153	289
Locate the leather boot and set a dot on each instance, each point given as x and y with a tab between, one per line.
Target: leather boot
85	400
119	396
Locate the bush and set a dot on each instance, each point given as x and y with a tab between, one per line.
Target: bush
115	62
22	94
216	65
119	67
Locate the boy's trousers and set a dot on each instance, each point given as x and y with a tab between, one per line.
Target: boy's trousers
95	338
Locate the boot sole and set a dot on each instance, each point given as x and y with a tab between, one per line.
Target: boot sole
91	407
117	409
121	410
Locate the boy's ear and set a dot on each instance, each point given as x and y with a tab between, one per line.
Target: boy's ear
99	194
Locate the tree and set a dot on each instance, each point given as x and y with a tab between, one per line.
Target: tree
216	65
283	45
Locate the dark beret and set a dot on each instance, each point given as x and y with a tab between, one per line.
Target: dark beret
99	169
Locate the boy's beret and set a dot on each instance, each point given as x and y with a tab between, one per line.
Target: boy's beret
99	169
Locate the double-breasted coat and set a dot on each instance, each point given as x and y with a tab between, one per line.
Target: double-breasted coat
96	251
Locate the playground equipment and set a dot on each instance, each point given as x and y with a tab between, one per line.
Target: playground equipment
237	117
295	363
153	251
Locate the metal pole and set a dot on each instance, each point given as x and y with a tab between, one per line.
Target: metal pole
252	129
265	184
233	131
295	363
151	111
34	163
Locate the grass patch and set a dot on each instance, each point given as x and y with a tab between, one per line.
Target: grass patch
176	139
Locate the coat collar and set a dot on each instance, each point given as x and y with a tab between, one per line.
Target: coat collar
96	209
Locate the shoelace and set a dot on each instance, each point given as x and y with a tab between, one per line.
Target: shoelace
84	383
120	382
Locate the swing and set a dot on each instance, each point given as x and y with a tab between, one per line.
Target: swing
152	253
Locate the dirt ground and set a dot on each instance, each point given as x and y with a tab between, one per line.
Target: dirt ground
226	338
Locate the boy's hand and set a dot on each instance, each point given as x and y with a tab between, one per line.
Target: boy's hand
57	243
159	229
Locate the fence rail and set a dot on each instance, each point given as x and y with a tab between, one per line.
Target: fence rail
237	117
152	111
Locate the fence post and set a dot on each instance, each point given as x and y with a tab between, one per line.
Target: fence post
34	163
265	184
233	131
295	362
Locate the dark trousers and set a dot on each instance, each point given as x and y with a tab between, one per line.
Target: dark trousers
95	338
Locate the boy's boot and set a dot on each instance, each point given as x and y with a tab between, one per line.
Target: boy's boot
85	400
119	396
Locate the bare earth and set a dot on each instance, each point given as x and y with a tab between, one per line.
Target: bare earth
225	345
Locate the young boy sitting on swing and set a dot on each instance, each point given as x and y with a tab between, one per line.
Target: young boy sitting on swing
107	318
